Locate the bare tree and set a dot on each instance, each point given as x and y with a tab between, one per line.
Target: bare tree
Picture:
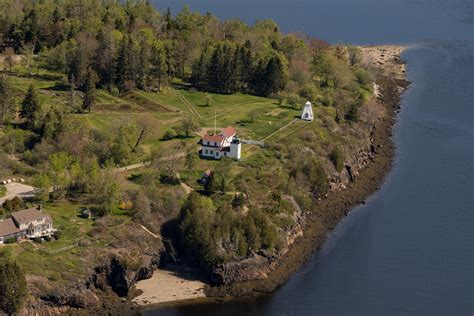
145	126
10	59
27	58
167	161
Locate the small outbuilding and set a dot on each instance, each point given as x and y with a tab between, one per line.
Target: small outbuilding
307	114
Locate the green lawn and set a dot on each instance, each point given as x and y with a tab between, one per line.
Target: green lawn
165	109
3	190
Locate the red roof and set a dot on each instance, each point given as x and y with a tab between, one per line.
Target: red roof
229	131
213	138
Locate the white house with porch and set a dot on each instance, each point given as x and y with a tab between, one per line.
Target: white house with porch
29	223
223	144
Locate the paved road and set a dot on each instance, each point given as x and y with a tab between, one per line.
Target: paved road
17	189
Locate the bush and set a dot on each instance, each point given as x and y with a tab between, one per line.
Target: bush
294	101
238	200
363	76
337	158
170	134
58	234
10	240
309	93
353	113
114	91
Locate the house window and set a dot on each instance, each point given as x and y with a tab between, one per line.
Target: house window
206	151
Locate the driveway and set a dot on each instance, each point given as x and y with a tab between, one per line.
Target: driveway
17	189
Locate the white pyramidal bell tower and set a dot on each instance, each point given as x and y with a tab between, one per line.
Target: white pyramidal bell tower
307	114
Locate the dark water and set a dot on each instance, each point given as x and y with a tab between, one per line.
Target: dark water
410	249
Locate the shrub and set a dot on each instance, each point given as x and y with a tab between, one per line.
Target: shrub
337	158
114	91
238	200
294	101
10	240
363	76
353	113
170	134
57	234
309	93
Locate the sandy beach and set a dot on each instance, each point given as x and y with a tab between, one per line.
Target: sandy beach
169	286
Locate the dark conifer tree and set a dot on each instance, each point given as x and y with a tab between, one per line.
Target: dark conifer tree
275	75
30	109
158	65
90	94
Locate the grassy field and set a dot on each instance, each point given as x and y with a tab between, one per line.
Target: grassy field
254	117
3	190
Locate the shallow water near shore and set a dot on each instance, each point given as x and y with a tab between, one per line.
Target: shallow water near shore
410	249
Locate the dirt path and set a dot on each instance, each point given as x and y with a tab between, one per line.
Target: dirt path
17	189
273	133
188	104
132	167
186	187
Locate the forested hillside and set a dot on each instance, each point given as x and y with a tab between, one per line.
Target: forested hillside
90	88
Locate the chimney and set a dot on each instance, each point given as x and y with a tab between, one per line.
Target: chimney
39	207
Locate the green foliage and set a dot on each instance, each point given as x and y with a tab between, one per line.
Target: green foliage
197	239
203	228
318	179
124	143
192	160
54	123
42	185
353	113
337	158
12	205
13	289
7	102
90	94
189	126
31	109
238	200
170	134
294	101
59	173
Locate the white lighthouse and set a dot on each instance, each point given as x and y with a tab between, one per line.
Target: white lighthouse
307	114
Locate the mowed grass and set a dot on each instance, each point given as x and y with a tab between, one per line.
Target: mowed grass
253	117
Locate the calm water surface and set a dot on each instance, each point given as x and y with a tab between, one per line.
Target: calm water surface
410	249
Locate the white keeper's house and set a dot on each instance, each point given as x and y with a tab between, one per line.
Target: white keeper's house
223	144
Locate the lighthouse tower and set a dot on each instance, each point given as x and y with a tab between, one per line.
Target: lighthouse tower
307	114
